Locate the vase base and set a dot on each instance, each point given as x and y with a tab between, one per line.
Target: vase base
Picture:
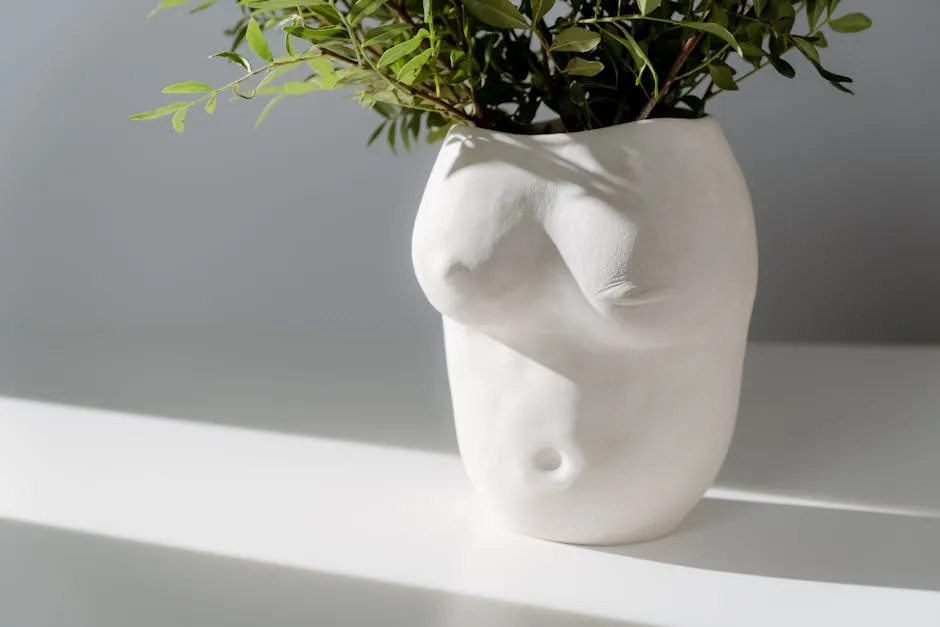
554	532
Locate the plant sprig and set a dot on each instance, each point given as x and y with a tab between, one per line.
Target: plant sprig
427	65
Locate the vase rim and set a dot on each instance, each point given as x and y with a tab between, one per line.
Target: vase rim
467	130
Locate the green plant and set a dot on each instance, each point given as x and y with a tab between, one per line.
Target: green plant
425	65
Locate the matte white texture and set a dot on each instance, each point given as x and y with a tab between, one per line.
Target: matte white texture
596	290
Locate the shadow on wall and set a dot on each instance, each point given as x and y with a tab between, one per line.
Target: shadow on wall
67	579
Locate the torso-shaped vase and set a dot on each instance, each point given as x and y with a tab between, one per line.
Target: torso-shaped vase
596	289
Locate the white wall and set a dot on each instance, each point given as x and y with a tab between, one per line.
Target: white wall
107	223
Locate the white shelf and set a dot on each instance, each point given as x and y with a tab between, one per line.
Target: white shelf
827	511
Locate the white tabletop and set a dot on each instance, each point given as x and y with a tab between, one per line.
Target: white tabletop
256	482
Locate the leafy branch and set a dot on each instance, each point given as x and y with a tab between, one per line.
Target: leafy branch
427	65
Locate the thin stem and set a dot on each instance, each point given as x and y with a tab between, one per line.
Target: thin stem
541	30
711	58
394	83
694	86
463	39
399	9
687	49
357	48
266	68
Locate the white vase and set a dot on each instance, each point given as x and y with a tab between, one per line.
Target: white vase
596	290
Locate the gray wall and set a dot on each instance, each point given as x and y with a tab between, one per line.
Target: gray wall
109	224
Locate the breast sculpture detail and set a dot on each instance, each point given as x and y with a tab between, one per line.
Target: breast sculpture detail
596	290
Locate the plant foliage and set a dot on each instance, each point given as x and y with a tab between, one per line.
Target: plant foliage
426	65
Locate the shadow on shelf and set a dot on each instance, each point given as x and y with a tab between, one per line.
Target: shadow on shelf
388	390
804	543
61	578
855	425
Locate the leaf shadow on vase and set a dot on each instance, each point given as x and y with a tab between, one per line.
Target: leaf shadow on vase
802	543
533	156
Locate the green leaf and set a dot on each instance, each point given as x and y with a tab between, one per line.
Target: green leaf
831	76
648	6
234	57
778	45
296	88
239	37
375	134
782	67
576	39
783	16
427	8
723	76
202	7
499	13
382	34
716	30
582	67
257	42
391	137
831	8
166	4
351	76
317	35
841	87
267	109
851	23
819	40
403	133
809	50
409	72
322	65
755	33
814	11
325	13
719	16
388	97
540	9
639	55
179	119
325	72
759	6
400	51
160	112
272	5
384	109
289	45
363	9
189	87
210	105
695	104
751	51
